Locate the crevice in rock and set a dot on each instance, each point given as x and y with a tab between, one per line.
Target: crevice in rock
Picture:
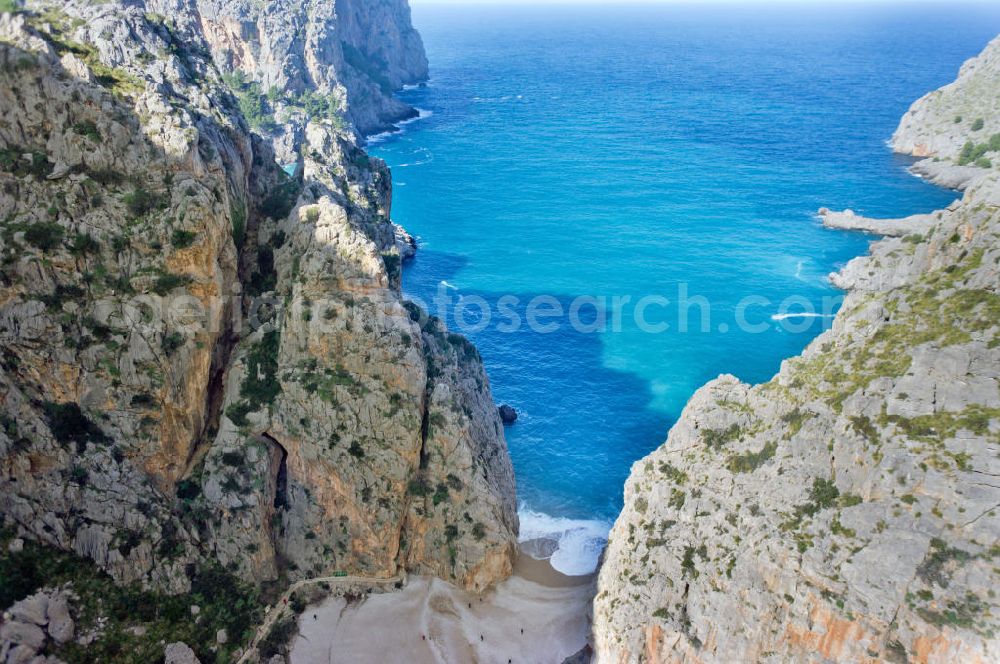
276	493
424	430
280	478
424	461
425	411
215	394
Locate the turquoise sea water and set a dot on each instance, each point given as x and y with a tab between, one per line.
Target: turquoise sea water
635	152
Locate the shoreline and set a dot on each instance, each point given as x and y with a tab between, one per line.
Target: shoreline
541	571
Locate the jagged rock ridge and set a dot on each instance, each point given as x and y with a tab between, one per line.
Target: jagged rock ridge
847	509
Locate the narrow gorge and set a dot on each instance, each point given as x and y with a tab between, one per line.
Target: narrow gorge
228	435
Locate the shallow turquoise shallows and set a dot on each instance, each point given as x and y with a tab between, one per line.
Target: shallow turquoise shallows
639	152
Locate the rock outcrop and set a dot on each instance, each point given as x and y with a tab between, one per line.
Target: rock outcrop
204	359
847	509
848	220
32	623
956	129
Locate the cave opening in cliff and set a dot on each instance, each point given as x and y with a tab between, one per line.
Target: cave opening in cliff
279	471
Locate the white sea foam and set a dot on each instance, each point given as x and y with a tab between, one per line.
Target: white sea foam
448	286
577	543
425	157
801	314
422	114
381	136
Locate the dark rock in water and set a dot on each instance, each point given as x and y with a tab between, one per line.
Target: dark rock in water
507	414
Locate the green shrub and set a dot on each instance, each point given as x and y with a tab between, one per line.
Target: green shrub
281	199
238	412
188	489
60	295
672	473
171	342
977	124
419	486
252	102
69	424
850	500
11	160
440	494
225	602
87	129
277	640
751	461
260	385
239	217
182	239
824	493
45	235
84	244
167	282
140	201
355	450
715	438
78	475
100	331
973	153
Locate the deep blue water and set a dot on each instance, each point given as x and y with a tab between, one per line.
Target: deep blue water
608	151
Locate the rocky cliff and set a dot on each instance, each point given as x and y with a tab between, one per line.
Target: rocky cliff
347	57
206	360
847	509
956	128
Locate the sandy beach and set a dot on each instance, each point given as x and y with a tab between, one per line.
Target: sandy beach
430	621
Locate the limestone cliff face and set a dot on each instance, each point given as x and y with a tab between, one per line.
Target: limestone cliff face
387	452
845	510
355	52
204	359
